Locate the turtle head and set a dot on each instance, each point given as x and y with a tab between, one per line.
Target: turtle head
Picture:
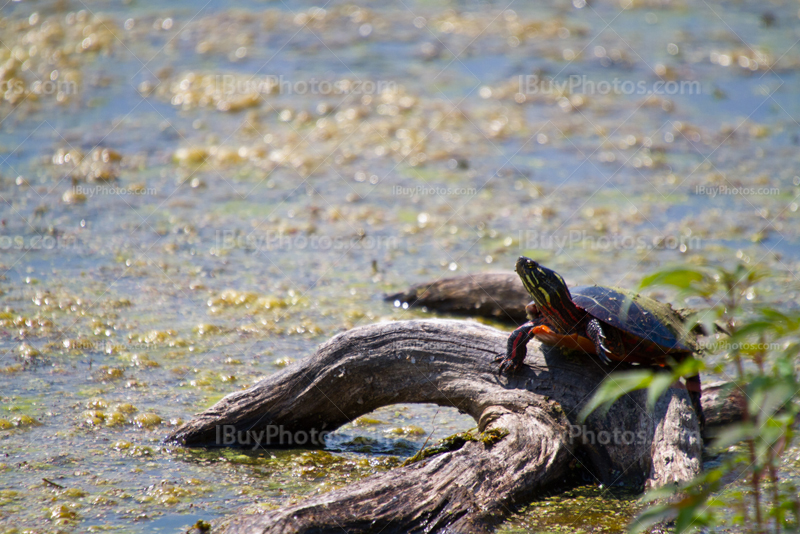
546	287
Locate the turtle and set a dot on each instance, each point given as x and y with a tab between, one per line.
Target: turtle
611	323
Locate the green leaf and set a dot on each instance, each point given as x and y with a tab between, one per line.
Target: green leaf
650	517
680	277
775	396
688	367
689	505
750	328
692	517
782	323
613	387
659	384
733	434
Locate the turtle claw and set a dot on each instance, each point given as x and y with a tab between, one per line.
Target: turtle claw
508	365
603	355
595	331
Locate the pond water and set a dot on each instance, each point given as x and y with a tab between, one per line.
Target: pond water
194	197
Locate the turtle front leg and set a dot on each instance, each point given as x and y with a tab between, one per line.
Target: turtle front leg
517	346
594	329
516	349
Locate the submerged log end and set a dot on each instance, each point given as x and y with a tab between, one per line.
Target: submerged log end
499	296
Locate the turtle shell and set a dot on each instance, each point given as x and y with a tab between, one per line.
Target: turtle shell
639	316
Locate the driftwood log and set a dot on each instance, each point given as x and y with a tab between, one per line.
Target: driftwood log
531	437
499	296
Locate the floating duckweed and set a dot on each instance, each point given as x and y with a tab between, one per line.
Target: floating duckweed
583	509
115	419
409	430
75	493
206	329
304	327
233	298
109	373
7	496
168	500
125	407
73	197
169	493
27	351
243	459
147	420
93	417
5	424
191	156
202	526
62	511
25	420
450	443
82	344
283	362
204	378
189	90
100	500
142	360
318	459
97	404
131	449
276	303
355	315
153	336
366	420
101	164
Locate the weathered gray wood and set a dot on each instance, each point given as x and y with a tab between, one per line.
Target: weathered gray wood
499	296
470	489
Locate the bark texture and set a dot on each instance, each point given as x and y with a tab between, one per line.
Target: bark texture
532	437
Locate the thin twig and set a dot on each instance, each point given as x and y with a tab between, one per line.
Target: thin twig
431	434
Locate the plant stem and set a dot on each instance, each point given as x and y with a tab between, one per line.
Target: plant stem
751	447
773	476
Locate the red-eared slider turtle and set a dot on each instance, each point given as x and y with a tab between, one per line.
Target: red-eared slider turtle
612	323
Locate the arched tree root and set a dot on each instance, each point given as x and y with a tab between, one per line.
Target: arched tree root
531	435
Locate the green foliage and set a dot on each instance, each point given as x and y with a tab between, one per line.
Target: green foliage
761	344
